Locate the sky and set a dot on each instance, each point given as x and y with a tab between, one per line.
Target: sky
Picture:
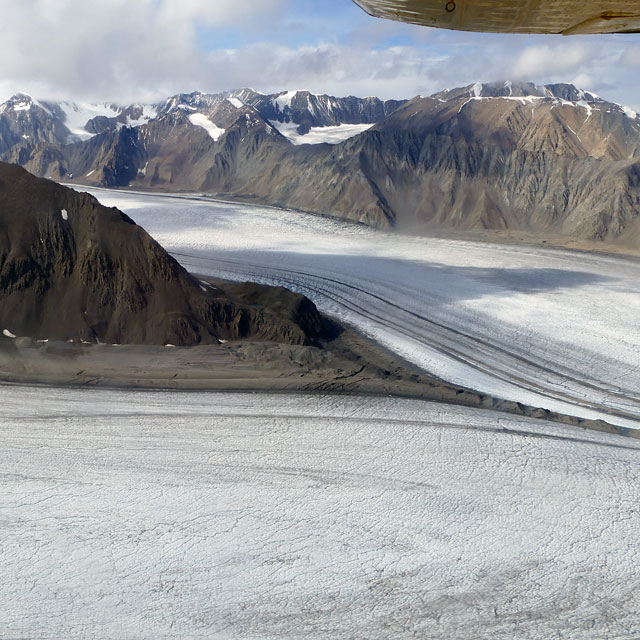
145	50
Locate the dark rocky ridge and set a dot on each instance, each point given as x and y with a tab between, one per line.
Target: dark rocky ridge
72	269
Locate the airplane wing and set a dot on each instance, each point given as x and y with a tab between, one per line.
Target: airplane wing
513	16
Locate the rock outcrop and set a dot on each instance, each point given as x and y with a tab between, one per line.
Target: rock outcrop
72	269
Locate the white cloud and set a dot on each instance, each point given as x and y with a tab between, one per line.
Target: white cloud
544	59
583	80
631	56
331	68
126	50
207	13
112	48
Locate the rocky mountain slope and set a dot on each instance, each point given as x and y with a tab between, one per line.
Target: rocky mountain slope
72	269
549	160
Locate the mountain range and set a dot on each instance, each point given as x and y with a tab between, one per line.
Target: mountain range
551	160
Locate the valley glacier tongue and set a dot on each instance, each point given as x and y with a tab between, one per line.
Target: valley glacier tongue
549	328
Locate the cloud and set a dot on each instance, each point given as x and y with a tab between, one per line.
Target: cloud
631	56
112	48
331	68
542	60
124	50
207	13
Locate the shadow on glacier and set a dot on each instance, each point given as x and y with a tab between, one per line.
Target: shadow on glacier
445	282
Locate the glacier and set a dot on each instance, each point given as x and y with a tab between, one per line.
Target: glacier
133	514
547	327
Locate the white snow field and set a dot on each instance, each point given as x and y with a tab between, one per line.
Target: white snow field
200	120
546	327
319	135
132	514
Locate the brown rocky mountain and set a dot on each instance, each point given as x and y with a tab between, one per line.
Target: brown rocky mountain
72	269
550	160
555	161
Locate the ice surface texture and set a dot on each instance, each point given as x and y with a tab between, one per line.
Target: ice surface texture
191	515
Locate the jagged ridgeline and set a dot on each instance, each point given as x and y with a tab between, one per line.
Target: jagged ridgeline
551	159
72	269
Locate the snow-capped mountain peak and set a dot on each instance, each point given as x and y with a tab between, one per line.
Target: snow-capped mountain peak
21	102
558	94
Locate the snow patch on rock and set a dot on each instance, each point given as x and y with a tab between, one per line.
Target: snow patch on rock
319	135
284	100
149	112
200	120
77	114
